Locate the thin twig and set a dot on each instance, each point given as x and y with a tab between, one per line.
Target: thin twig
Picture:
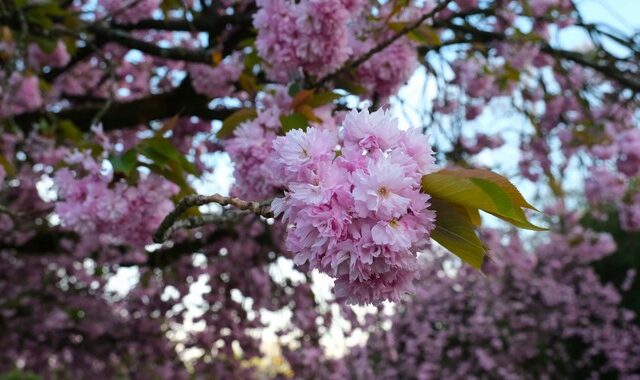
189	201
198	221
380	47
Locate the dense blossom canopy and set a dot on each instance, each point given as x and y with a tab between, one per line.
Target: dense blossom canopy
532	319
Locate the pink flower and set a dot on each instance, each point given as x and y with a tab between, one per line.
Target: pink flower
95	204
360	216
384	73
299	151
371	132
218	81
56	58
381	190
310	35
21	95
630	214
629	152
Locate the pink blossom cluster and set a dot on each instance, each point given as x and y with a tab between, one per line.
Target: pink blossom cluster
130	11
466	5
540	7
309	35
251	147
630	213
356	213
628	143
536	315
58	57
22	94
471	76
605	186
58	322
482	141
96	203
218	81
384	73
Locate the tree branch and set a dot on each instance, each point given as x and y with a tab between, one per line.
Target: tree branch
167	226
198	221
123	38
211	23
608	70
182	100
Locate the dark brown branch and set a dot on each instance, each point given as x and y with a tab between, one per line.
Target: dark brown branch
182	100
162	233
383	45
608	70
169	254
199	221
123	38
211	23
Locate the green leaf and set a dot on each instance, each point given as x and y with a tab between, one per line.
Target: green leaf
163	153
248	83
455	231
168	5
17	374
251	60
293	121
230	123
125	163
349	86
474	216
8	167
480	189
173	176
70	131
322	98
294	88
47	45
424	34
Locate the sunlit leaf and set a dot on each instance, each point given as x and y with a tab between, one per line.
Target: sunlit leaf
163	153
322	98
293	121
455	231
480	189
124	163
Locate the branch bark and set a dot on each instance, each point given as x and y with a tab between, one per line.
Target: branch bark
608	70
182	100
211	23
171	220
123	38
